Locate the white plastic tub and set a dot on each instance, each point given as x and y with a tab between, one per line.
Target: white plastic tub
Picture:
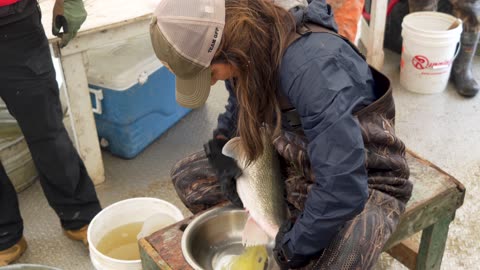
122	213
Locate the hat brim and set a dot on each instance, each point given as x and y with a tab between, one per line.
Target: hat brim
193	92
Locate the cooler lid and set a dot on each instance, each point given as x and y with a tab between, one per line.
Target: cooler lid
120	66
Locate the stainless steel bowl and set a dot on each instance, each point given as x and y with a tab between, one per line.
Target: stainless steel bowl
214	236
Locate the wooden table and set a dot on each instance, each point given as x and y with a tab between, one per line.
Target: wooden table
108	22
436	197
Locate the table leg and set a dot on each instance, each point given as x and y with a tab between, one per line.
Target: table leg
432	245
375	54
83	122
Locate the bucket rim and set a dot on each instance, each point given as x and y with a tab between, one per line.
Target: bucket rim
129	262
432	43
405	24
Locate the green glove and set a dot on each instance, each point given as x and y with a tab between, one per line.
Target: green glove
69	15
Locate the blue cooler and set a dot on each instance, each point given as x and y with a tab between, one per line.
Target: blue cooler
133	96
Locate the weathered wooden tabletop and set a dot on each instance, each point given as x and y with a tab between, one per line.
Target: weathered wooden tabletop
102	14
435	194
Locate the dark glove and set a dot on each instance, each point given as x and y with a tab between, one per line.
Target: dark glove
283	255
226	169
69	15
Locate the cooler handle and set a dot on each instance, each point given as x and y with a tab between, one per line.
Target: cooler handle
98	94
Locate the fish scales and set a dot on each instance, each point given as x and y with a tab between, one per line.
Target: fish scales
260	187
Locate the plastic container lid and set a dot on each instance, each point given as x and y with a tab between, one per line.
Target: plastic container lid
120	66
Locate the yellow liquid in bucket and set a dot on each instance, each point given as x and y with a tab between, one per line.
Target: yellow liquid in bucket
121	243
253	258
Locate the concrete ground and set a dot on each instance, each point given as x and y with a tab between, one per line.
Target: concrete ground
444	128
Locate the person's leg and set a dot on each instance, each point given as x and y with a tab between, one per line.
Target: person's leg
196	183
360	242
11	224
291	147
469	12
423	5
12	243
30	91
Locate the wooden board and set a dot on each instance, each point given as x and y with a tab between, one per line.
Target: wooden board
436	194
431	178
406	252
102	14
162	250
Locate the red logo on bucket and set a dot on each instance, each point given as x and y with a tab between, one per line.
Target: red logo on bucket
421	62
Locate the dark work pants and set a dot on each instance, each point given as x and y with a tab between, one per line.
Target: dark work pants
30	91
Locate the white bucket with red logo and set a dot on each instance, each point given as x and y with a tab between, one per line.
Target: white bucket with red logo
429	49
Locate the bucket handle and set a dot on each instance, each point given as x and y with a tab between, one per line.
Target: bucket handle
457	52
98	95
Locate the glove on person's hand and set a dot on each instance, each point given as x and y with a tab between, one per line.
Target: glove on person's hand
69	15
283	256
226	169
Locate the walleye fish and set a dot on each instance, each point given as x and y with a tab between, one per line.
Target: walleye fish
261	190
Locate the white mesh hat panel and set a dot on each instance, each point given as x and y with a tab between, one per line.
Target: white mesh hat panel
193	27
288	4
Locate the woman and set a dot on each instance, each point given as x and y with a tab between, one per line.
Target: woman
345	170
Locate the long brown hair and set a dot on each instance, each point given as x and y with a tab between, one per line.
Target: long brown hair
254	40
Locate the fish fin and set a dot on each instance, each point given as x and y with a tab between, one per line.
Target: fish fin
231	148
253	235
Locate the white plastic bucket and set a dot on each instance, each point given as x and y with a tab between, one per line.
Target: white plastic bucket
428	51
122	213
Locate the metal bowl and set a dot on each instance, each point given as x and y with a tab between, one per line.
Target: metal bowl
214	236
